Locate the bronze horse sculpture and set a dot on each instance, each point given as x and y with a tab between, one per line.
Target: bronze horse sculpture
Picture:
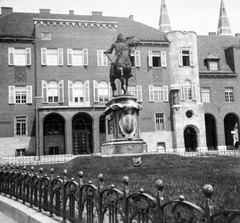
123	65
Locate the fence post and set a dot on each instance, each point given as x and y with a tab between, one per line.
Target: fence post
208	191
64	195
100	188
160	199
126	193
40	190
80	175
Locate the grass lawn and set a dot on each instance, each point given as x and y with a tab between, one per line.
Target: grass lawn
181	175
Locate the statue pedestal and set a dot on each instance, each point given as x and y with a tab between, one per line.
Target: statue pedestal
122	127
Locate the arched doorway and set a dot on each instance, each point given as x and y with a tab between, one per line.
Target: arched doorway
211	133
190	139
231	125
82	134
54	135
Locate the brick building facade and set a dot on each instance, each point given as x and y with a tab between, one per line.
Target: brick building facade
55	84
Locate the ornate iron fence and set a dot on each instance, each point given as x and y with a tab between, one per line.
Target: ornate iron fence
76	201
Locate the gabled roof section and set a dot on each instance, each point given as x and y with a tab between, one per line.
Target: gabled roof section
22	25
212	57
213	47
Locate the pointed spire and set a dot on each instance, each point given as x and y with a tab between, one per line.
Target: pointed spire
223	23
164	21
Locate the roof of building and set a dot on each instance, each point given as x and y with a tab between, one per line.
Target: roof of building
214	47
22	25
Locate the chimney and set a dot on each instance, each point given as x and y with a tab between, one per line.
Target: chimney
131	17
212	33
44	11
71	12
96	13
6	10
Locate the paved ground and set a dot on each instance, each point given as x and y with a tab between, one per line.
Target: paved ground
5	219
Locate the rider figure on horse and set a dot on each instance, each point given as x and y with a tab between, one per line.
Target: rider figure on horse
117	46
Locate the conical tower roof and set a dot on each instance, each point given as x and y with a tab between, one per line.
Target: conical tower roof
223	23
164	21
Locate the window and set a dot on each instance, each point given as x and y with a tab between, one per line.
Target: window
185	58
101	91
19	56
188	90
102	59
213	65
53	92
78	93
21	125
136	91
20	94
77	57
52	57
158	93
205	92
229	94
20	152
135	58
46	36
157	59
159	121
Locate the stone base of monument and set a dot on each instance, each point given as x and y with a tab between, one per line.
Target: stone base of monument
134	146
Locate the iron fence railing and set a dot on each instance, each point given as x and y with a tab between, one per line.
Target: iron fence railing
79	202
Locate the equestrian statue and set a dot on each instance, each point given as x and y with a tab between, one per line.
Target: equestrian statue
121	64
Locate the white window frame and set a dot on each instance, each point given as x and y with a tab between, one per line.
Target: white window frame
229	95
182	54
158	120
160	92
59	91
136	91
12	95
206	95
48	56
23	125
102	59
86	94
162	57
188	91
12	56
77	57
136	58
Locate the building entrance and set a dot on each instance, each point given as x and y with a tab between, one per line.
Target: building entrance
190	139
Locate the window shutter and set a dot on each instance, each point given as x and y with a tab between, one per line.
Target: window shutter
182	91
85	57
10	56
137	58
139	93
150	62
109	91
28	56
95	91
191	58
163	59
70	91
29	94
99	58
193	90
11	95
151	89
105	59
60	56
165	93
69	57
44	92
86	93
180	61
61	91
44	56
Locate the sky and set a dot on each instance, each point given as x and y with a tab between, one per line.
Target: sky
200	16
